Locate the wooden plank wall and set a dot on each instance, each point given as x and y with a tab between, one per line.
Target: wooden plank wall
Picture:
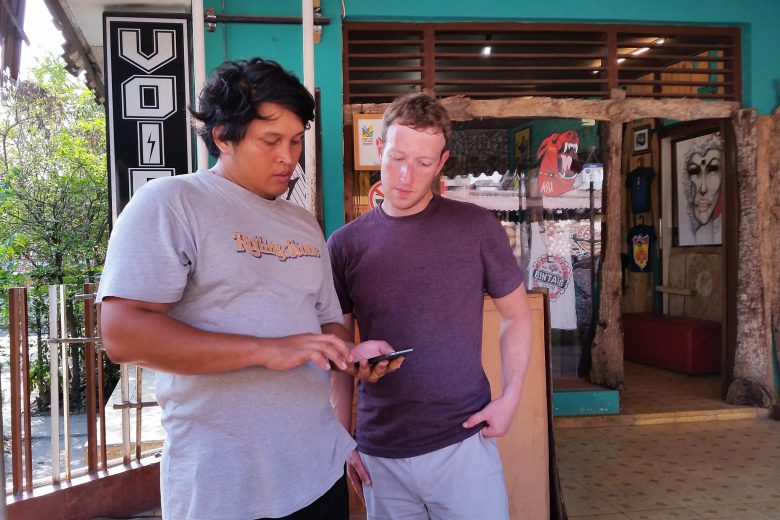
638	287
671	78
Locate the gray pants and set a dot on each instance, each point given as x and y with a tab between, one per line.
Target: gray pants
464	481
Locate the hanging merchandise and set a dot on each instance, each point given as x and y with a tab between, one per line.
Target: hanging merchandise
593	172
640	246
585	250
639	181
550	267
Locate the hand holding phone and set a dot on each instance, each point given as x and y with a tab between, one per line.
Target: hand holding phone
385	357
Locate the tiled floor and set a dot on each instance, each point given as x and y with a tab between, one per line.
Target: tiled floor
717	469
651	390
724	469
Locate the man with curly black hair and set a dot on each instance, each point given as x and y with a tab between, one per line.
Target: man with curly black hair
226	290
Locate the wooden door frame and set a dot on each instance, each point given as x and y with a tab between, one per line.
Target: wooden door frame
607	351
729	243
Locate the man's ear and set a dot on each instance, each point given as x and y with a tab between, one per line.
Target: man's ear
380	145
444	157
224	146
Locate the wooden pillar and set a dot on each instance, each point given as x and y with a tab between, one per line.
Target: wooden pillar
768	168
607	351
752	383
774	182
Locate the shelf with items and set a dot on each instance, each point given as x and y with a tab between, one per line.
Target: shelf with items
512	192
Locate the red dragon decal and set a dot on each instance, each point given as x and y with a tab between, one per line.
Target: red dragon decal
557	154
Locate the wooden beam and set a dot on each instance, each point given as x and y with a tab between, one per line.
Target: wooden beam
11	15
615	109
83	58
679	109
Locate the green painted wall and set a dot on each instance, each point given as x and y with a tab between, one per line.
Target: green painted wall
284	43
583	401
758	20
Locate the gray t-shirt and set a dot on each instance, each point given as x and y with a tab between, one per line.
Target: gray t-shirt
255	442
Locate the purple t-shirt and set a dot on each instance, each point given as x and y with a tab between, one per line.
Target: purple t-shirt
419	282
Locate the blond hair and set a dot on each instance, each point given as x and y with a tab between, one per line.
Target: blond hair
419	111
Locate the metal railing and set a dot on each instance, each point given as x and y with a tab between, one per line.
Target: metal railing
59	350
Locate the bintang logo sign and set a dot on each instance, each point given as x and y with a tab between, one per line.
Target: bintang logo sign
148	85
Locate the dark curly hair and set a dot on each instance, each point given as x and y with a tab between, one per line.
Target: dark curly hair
231	97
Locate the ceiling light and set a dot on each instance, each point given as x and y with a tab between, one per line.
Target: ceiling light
621	60
637	52
487	49
660	41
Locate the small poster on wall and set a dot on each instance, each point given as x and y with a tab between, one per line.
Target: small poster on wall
366	128
521	138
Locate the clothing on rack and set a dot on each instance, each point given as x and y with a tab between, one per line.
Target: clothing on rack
641	239
639	182
550	267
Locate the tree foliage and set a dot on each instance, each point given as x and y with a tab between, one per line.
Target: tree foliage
53	183
53	196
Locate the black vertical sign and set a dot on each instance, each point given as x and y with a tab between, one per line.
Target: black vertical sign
148	87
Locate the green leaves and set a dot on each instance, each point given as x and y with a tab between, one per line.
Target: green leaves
53	179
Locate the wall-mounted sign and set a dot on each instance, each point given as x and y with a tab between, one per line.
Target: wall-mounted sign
148	92
375	195
366	129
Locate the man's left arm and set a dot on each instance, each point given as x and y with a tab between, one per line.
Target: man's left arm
515	344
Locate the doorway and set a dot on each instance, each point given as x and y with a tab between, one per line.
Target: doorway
678	235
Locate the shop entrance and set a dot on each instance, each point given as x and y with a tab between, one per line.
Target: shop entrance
678	179
610	211
632	82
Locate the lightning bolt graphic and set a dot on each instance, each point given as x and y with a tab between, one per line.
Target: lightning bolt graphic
153	143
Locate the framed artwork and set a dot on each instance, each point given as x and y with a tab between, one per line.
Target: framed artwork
366	129
521	146
697	179
641	140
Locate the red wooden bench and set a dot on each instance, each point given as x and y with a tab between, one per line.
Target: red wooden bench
689	345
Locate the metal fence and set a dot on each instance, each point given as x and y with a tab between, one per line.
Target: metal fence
59	350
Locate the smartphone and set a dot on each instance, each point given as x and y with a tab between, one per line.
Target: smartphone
389	356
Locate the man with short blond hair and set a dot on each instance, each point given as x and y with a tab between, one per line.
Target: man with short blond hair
413	272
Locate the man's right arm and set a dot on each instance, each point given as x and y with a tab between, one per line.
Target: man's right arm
142	333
